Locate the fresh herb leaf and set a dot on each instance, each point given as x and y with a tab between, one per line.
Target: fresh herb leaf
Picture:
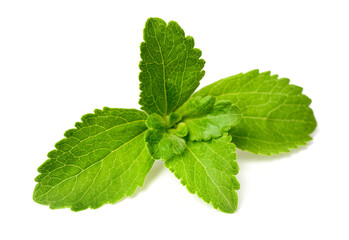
101	161
197	107
205	118
161	143
181	130
171	67
276	115
173	118
155	121
207	168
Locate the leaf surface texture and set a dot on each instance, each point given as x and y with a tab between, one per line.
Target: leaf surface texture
161	143
171	67
207	118
276	115
100	161
208	169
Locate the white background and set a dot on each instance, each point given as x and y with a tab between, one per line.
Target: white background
62	59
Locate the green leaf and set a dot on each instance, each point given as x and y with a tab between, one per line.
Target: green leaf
181	130
161	143
197	106
205	118
276	115
101	161
171	67
155	121
173	118
208	169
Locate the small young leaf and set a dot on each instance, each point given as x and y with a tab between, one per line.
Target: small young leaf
161	143
171	67
101	161
208	169
205	118
173	118
181	130
155	121
276	115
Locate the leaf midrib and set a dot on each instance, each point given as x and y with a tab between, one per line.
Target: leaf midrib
227	200
106	130
276	119
163	66
211	116
100	160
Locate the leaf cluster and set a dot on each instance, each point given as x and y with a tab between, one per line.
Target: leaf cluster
110	152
